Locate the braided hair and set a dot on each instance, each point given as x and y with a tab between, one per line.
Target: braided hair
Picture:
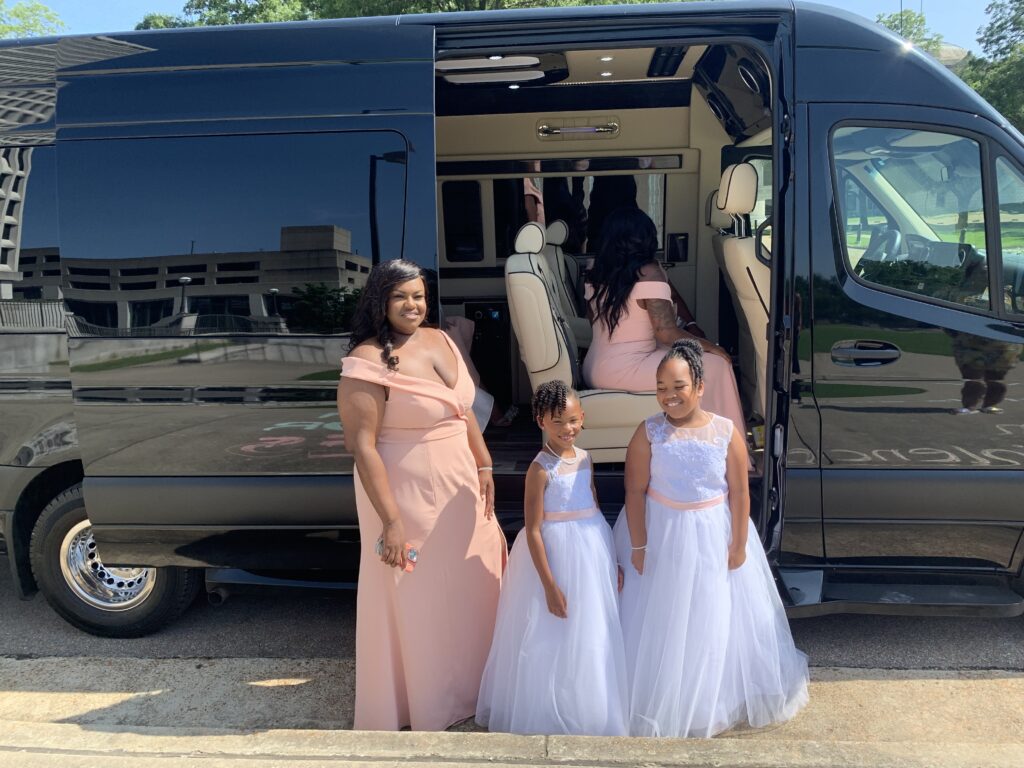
690	351
550	399
370	320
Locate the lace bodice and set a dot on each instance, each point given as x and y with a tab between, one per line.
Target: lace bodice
688	463
568	488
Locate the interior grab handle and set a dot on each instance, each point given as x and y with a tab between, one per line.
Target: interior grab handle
551	130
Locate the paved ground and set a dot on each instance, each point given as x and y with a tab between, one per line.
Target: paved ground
310	626
267	680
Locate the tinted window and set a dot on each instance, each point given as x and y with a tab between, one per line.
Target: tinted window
463	221
29	253
232	234
920	204
1011	233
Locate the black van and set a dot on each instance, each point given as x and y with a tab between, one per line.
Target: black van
189	216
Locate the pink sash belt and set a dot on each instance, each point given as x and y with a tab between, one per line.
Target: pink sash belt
570	514
684	505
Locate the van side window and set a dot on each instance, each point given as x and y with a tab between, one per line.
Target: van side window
912	212
1010	182
265	233
463	221
29	247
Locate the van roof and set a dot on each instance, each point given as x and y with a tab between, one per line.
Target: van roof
821	33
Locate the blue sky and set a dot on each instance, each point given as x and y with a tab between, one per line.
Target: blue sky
957	21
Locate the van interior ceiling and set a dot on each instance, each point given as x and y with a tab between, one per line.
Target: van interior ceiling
567	136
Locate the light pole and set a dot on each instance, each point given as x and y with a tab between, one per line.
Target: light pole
273	299
184	281
400	158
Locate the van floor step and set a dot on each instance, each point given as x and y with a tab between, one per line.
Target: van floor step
914	599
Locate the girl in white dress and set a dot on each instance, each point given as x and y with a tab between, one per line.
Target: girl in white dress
557	664
707	642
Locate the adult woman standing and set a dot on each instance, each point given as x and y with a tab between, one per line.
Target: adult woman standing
629	302
423	482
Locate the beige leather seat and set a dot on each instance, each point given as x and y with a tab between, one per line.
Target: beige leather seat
561	277
548	350
748	278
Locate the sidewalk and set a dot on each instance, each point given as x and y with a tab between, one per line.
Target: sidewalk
243	713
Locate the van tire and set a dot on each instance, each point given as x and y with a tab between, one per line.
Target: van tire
108	602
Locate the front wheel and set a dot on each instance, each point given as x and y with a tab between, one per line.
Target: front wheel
99	599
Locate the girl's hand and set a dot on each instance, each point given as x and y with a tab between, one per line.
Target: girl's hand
622	576
486	478
637	558
737	556
556	601
394	545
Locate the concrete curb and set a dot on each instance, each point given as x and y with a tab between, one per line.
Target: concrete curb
31	743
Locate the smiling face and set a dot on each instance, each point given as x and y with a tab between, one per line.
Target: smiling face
677	395
561	429
406	306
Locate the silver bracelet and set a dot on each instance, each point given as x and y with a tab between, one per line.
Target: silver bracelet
485	469
687	325
637	548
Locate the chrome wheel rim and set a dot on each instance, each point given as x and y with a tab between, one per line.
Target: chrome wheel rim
109	589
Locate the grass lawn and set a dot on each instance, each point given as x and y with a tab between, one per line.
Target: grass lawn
150	357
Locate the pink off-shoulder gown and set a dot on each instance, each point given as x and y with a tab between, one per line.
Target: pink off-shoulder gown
422	637
628	358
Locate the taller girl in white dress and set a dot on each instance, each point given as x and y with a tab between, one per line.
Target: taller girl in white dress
707	642
556	664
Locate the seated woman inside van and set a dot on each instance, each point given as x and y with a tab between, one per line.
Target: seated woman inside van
629	303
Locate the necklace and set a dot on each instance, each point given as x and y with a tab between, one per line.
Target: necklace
551	450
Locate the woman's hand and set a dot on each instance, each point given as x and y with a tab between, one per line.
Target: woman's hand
394	544
637	558
714	349
486	478
737	556
556	601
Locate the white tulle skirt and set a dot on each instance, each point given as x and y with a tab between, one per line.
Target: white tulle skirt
547	675
706	648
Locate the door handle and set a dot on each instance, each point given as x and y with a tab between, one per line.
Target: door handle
864	352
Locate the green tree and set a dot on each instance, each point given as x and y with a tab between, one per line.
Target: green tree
163	21
204	12
998	76
320	308
29	18
1004	32
912	26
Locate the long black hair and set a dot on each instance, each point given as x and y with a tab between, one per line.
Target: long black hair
370	320
690	351
628	242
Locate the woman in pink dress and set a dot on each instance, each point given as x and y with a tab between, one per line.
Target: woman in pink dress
432	553
629	302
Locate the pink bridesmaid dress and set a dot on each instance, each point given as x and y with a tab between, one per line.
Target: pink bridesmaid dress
628	358
422	637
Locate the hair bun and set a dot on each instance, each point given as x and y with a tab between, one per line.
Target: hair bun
691	344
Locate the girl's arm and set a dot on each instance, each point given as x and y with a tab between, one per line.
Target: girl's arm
739	498
638	476
483	459
533	508
361	408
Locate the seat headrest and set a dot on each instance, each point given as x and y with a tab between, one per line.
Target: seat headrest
530	238
557	232
737	194
713	217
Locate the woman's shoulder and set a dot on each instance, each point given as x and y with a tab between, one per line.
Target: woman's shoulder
367	350
652	272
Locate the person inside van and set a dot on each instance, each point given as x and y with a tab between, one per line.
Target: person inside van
629	303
